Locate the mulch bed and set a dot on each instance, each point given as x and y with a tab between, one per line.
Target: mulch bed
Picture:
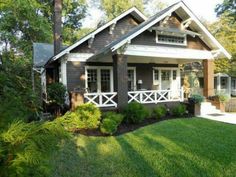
126	127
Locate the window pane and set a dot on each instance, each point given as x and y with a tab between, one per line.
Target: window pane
165	75
174	74
171	39
105	80
131	80
92	80
156	75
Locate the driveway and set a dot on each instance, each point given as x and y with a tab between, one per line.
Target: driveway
223	117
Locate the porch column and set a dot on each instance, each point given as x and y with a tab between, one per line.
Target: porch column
208	78
120	79
218	83
229	86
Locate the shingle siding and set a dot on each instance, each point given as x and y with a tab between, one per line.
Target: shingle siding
75	75
104	38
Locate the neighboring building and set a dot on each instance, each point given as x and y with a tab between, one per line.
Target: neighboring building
132	58
225	84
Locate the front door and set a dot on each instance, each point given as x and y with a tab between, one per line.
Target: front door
165	79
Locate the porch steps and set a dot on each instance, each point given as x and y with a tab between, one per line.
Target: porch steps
207	108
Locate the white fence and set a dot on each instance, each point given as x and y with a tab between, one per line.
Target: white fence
105	99
156	96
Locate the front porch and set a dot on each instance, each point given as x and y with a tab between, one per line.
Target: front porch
117	82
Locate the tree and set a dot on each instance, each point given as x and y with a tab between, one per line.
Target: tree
154	6
23	22
228	6
113	8
225	31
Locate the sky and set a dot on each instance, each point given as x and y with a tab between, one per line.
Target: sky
204	9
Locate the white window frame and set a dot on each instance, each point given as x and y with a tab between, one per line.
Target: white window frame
99	68
171	35
134	69
158	82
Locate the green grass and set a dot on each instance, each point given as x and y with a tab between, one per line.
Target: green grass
173	148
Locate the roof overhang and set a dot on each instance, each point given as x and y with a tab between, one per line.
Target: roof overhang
133	11
185	13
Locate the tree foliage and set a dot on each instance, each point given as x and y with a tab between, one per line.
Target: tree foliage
225	31
113	8
229	7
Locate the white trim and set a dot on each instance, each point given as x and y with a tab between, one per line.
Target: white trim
63	71
167	52
99	68
104	99
92	34
175	7
129	38
79	56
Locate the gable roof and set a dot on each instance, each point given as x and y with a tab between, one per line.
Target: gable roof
133	11
207	36
42	52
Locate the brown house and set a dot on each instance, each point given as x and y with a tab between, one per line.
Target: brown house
134	58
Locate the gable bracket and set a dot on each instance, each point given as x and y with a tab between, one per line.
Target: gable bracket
185	24
216	53
90	41
112	27
164	22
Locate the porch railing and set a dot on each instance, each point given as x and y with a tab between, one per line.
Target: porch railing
156	96
104	99
107	99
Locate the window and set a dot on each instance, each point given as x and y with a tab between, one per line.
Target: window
92	80
105	80
171	39
99	79
131	80
174	74
155	77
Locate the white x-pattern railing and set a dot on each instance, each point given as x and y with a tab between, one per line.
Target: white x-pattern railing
155	96
104	99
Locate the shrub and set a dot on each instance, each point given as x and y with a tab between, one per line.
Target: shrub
178	110
111	121
196	99
27	148
56	93
86	116
223	97
135	112
159	112
113	116
108	126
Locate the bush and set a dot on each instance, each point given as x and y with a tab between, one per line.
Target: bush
108	126
26	149
196	99
159	112
86	116
110	123
223	97
56	93
135	112
113	116
178	110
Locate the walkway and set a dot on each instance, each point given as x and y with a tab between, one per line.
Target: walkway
222	117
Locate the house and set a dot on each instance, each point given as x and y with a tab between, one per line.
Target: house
135	58
225	84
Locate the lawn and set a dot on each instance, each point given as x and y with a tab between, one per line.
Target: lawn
173	148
